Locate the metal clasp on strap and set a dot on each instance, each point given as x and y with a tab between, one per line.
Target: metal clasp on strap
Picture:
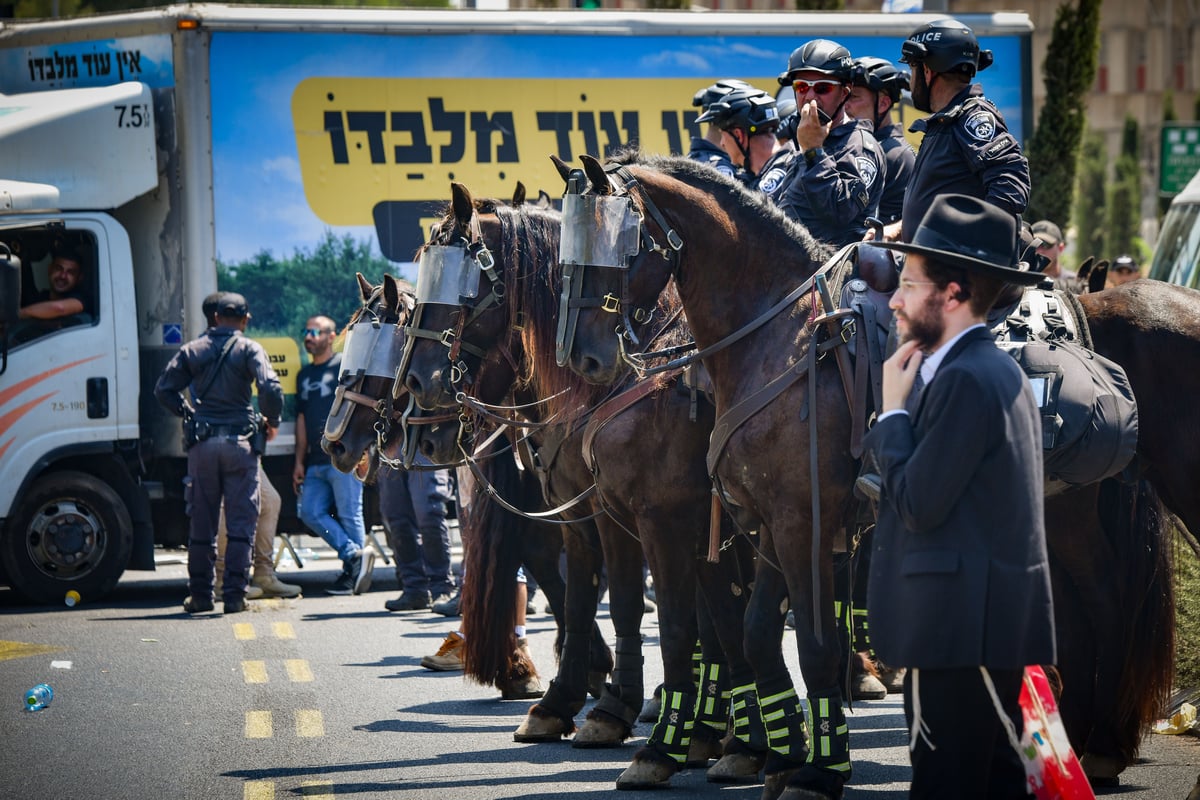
447	337
611	303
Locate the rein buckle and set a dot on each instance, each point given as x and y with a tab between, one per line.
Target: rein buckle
611	303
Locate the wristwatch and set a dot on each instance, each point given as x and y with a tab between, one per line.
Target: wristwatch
812	154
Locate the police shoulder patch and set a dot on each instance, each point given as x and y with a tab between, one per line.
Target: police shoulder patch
866	168
981	125
770	182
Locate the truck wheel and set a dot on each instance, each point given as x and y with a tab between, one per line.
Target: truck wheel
70	531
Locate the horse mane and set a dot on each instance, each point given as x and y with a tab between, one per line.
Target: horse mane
731	195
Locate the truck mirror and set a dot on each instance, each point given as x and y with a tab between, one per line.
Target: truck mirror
10	286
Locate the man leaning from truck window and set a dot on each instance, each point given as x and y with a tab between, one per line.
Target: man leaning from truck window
219	370
66	295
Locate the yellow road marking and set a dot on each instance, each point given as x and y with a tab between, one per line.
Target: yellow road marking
309	722
298	670
283	630
317	790
259	790
10	650
258	724
254	671
243	631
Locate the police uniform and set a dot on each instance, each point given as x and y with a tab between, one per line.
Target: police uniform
968	150
706	152
899	160
834	188
413	506
774	173
223	462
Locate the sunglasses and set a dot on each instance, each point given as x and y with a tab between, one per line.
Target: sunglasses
306	332
819	88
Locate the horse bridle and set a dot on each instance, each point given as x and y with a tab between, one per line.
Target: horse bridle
625	215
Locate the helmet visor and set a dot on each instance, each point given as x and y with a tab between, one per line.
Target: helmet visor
447	275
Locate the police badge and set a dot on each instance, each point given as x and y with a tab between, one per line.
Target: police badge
981	125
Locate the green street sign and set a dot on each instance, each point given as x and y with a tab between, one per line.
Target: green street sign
1179	156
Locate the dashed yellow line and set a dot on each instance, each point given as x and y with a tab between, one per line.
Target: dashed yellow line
243	631
309	723
258	725
298	670
259	790
283	630
317	790
254	671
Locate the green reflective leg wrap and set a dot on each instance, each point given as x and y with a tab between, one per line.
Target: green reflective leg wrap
697	664
784	721
841	612
712	701
862	632
748	725
830	745
672	734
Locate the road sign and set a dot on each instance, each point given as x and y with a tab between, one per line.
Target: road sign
1180	155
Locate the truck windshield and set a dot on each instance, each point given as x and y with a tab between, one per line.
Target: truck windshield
1177	257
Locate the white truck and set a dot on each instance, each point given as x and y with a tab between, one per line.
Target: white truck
166	141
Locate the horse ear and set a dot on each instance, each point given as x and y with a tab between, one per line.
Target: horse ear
564	169
544	200
364	287
596	174
519	195
1085	268
1098	275
391	292
462	203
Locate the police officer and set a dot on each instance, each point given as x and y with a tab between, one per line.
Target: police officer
877	88
748	120
707	148
221	367
836	183
967	147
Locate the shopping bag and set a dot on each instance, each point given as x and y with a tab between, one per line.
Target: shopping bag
1051	767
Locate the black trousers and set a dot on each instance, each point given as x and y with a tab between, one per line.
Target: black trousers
964	752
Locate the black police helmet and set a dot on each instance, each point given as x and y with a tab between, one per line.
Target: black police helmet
881	75
945	45
820	55
706	97
749	109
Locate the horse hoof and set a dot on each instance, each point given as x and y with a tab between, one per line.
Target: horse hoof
1102	771
537	728
736	768
775	783
651	710
893	679
599	732
646	774
527	689
865	686
800	793
702	749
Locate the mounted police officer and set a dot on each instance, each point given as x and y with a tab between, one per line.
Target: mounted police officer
967	147
878	86
707	148
222	431
748	120
836	183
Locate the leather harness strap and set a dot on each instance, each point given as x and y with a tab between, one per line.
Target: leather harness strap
616	405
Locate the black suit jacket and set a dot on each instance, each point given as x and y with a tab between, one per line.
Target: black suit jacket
959	575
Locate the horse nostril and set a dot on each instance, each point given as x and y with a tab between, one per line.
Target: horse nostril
334	449
413	382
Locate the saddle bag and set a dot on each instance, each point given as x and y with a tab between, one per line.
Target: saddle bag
1089	415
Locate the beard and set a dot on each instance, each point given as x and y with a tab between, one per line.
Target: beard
927	326
920	90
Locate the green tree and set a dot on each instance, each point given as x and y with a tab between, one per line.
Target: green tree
1089	196
1068	72
1123	212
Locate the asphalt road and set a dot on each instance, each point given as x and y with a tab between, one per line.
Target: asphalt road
324	696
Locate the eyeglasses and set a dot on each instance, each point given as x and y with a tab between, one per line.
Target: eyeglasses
306	332
907	286
819	88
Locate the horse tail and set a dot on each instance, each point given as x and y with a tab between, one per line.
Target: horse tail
1140	533
492	556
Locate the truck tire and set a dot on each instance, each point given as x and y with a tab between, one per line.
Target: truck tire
70	531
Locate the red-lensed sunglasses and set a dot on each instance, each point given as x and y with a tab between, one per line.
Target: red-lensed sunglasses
819	88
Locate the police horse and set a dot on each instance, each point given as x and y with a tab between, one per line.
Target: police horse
782	447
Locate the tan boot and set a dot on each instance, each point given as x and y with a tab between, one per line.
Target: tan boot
270	586
449	657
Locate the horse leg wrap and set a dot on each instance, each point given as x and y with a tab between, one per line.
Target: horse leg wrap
861	632
784	722
748	727
830	746
672	734
698	665
841	612
712	699
556	702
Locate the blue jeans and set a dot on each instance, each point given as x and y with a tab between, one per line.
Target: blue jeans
331	505
413	507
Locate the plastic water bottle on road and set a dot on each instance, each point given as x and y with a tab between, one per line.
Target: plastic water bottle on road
38	697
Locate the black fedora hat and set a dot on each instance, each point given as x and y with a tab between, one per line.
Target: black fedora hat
970	233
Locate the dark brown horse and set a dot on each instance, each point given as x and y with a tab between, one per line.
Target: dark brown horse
364	420
733	257
644	452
